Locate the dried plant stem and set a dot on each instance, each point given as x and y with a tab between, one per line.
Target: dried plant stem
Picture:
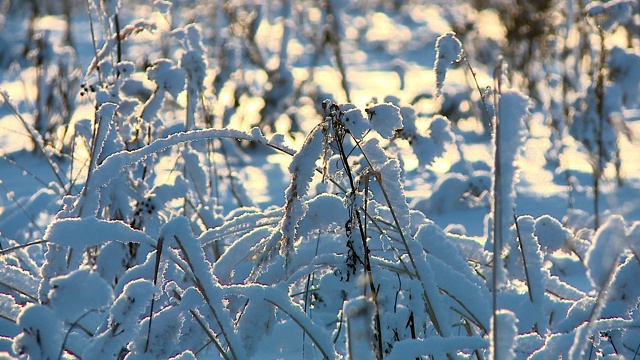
202	290
210	335
497	210
598	166
156	270
524	257
363	236
334	37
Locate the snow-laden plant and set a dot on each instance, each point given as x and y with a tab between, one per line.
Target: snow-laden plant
140	264
176	256
57	82
596	119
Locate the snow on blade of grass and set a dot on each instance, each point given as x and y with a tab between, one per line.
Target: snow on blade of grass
602	262
232	266
468	293
111	42
448	51
219	280
437	346
256	323
385	119
508	144
301	168
390	182
623	294
168	78
558	345
163	341
80	291
466	298
179	229
84	232
438	244
605	250
388	176
278	297
104	121
550	233
123	322
505	344
13	277
434	300
359	312
355	121
324	211
41	336
239	222
8	308
514	111
535	272
117	162
185	355
194	63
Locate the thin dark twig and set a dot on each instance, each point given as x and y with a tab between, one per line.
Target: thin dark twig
524	258
155	284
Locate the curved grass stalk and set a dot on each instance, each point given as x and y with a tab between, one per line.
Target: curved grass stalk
21	246
210	335
282	301
201	288
432	315
37	139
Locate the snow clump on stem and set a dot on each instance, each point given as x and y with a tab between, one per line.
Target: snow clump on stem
448	51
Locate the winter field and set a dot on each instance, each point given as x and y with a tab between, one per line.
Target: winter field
253	179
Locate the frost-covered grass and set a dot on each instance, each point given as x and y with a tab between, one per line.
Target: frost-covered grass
195	196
